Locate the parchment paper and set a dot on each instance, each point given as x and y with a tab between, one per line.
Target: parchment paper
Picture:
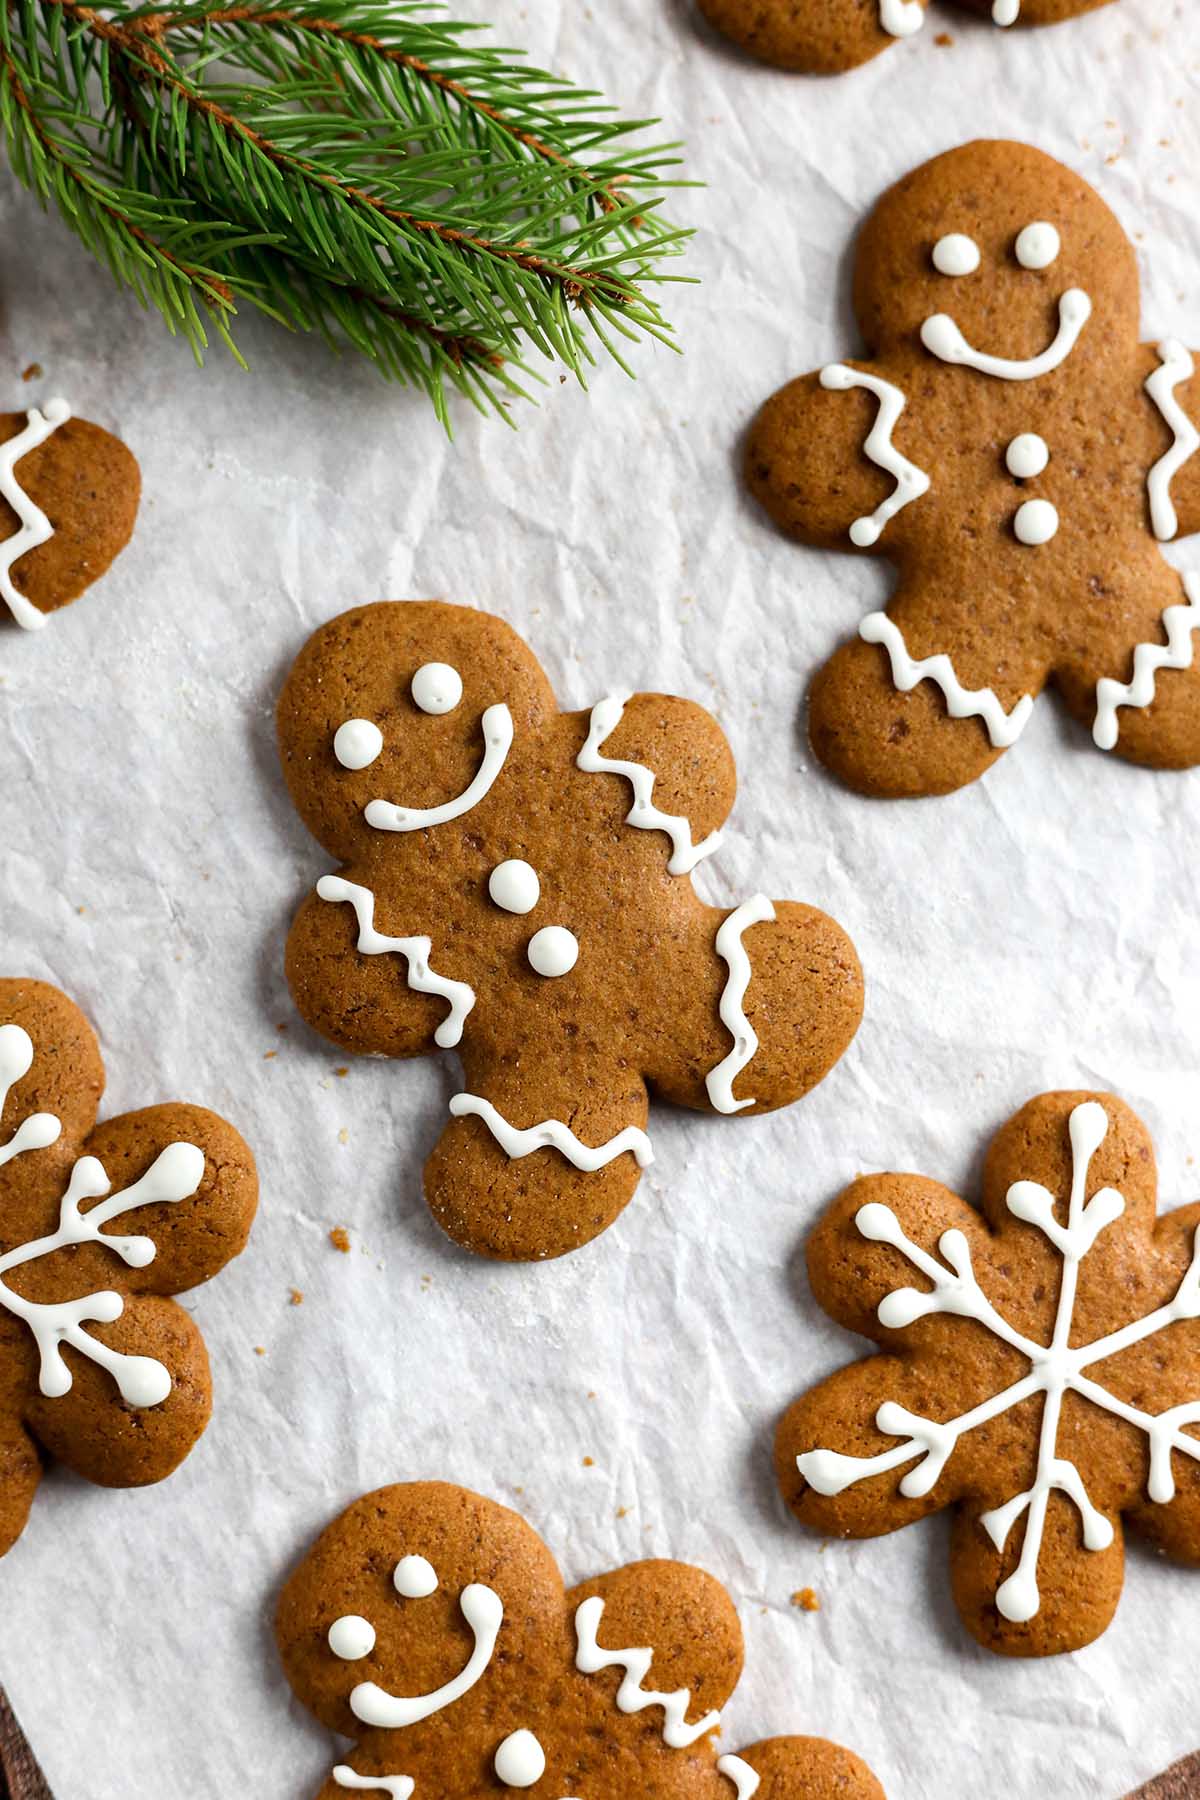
1037	930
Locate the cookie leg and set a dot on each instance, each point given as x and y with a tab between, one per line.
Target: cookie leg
20	1473
807	1768
539	1158
1075	1590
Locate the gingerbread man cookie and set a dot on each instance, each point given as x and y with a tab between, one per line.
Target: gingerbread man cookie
515	886
1039	1372
433	1627
826	37
98	1365
1019	455
69	495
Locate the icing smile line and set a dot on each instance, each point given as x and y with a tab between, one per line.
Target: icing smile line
484	1613
943	339
497	742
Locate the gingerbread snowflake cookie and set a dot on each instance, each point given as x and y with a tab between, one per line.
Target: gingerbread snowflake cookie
99	1226
1039	1372
1019	454
826	37
515	886
69	495
433	1627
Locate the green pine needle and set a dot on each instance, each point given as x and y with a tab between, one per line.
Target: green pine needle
359	169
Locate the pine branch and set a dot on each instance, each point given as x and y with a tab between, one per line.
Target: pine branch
355	169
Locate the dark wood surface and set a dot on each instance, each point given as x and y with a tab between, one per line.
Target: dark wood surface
1180	1782
21	1777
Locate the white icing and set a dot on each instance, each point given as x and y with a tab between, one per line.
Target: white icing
632	1697
437	688
497	723
1035	522
484	1613
900	18
961	702
1005	12
746	1780
415	951
1179	623
956	254
1027	456
911	482
1055	1368
35	528
732	951
400	1787
606	716
552	1134
514	886
942	338
1038	245
357	743
39	1130
351	1637
520	1760
553	951
1175	367
415	1578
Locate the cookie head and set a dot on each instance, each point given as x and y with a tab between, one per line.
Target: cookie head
997	250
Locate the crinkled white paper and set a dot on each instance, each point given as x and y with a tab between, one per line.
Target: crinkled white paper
1037	930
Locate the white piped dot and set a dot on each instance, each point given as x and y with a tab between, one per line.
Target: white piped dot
553	951
520	1760
514	885
1027	456
437	688
352	1637
956	254
1036	522
414	1578
1038	245
357	743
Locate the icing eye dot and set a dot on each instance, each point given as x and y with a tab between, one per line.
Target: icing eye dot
357	743
437	688
1036	522
351	1637
414	1578
1038	245
514	885
956	254
553	950
1027	456
520	1760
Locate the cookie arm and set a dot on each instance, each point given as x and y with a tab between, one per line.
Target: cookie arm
88	484
674	766
809	1768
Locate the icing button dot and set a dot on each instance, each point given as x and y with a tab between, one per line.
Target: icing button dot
1037	245
1027	456
357	743
437	688
351	1637
553	951
1036	522
415	1578
520	1760
514	885
956	254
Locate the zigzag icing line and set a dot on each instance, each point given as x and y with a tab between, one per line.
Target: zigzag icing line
643	814
1175	368
961	702
415	950
552	1134
1179	623
35	526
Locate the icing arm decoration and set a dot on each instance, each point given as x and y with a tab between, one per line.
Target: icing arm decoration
415	951
719	1081
911	482
552	1134
35	527
39	1130
900	18
400	1787
484	1612
1175	367
746	1780
174	1175
643	814
632	1697
1179	623
961	702
943	339
497	742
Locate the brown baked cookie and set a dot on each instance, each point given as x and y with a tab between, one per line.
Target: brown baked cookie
1039	1372
98	1365
511	889
433	1627
1018	454
69	495
826	37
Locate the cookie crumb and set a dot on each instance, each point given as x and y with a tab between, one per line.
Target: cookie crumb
260	1349
33	372
589	1462
343	1136
297	1297
268	1054
943	40
622	1512
339	1237
342	1072
806	1599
